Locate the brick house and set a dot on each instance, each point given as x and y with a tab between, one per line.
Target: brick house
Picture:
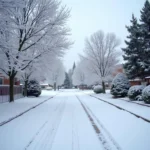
117	69
136	81
5	81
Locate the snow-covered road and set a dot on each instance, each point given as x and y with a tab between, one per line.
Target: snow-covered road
73	120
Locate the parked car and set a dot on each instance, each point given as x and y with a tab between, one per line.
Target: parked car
49	88
33	88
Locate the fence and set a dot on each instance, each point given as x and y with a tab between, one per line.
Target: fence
4	93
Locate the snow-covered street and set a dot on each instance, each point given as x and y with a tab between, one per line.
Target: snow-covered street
71	120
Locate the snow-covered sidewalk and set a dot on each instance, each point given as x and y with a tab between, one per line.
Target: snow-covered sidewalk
140	110
130	132
10	110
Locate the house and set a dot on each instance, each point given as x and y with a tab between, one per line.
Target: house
117	69
136	81
5	81
44	84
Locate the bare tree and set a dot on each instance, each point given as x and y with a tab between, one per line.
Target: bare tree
33	71
29	29
101	52
78	77
82	73
55	74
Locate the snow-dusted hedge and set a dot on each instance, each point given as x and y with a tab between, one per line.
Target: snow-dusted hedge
146	94
98	89
120	85
135	92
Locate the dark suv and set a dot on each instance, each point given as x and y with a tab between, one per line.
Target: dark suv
33	88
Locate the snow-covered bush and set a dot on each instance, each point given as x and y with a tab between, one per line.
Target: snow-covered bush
98	89
146	94
135	92
120	85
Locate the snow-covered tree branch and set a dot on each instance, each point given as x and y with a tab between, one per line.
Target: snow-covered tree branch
28	30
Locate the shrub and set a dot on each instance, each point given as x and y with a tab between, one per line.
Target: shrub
98	89
120	85
135	92
146	94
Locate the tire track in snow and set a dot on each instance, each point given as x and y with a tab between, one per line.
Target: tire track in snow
75	136
103	135
44	139
134	114
38	132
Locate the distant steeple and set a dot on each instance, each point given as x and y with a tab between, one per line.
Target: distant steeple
74	66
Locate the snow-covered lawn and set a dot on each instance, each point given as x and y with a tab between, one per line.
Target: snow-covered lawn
72	120
9	110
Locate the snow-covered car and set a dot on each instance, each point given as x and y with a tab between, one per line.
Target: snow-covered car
33	88
49	88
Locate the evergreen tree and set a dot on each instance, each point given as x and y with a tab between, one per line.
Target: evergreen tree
133	52
67	81
70	77
74	66
145	37
70	74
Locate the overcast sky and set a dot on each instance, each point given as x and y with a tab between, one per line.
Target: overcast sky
89	16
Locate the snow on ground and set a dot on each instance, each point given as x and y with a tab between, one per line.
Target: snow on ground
9	110
18	134
56	124
75	131
62	123
130	132
137	109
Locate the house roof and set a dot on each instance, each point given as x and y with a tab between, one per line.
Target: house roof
148	77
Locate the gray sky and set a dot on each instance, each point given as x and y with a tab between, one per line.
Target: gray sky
89	16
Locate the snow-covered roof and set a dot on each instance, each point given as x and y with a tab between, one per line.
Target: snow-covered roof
148	77
136	79
44	84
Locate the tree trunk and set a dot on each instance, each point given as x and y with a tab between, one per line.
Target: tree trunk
25	87
11	89
103	85
54	86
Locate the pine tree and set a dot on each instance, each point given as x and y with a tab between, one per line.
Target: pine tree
133	52
145	37
67	81
70	74
74	66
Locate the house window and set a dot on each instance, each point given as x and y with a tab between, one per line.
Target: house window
1	81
